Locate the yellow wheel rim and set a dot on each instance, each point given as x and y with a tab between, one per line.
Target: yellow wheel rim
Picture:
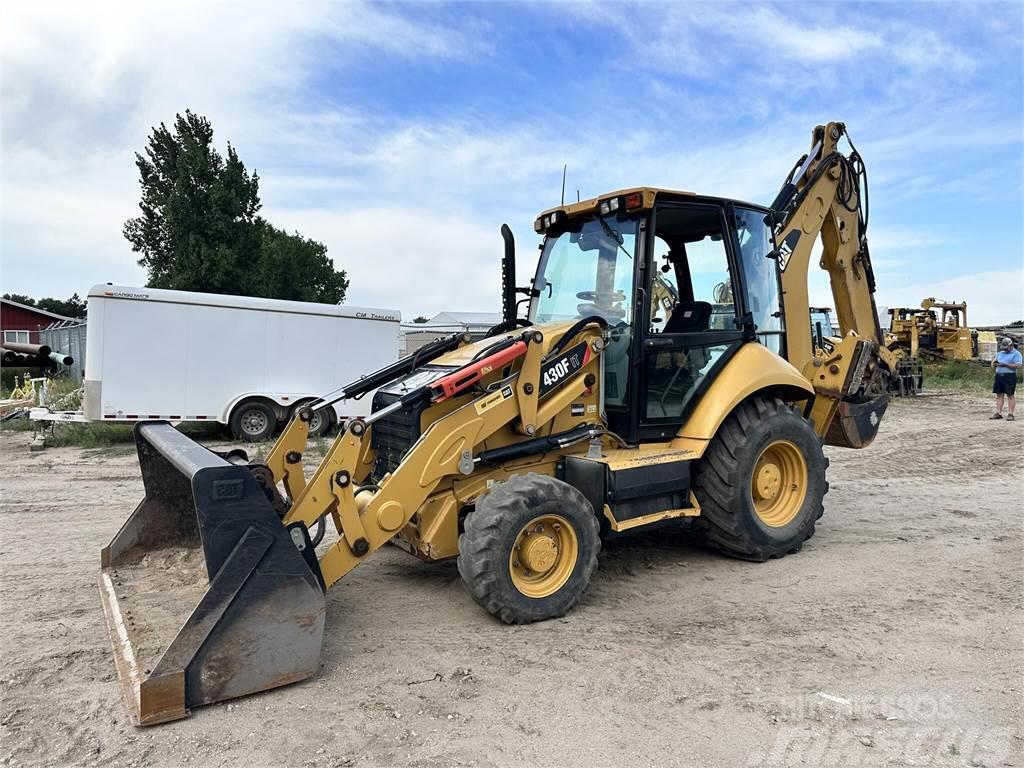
543	556
779	483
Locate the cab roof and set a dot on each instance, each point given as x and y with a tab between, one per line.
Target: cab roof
630	199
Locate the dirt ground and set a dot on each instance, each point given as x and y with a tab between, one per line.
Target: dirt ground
893	638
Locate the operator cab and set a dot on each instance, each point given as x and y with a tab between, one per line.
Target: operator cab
682	281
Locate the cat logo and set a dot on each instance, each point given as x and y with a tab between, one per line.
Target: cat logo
787	247
495	398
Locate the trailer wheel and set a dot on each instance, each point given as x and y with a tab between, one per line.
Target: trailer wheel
321	422
529	549
253	421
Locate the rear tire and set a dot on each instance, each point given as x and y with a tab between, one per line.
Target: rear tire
253	421
529	549
761	482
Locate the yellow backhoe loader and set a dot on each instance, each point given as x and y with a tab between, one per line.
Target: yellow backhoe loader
652	379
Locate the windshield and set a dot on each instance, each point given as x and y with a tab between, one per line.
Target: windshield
587	270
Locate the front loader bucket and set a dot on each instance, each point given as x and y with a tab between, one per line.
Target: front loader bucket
207	595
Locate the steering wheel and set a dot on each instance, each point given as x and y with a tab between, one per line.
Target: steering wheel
593	296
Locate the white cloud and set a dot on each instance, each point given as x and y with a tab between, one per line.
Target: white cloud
921	49
409	259
804	42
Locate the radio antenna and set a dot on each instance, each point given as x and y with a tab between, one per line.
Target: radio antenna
564	167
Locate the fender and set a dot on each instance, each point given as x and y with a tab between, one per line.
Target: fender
752	369
285	400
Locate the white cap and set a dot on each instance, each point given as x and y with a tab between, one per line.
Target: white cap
1005	342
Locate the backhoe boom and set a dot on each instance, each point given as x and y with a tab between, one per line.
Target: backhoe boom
825	197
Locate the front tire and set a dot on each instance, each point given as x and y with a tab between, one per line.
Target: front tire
761	482
529	549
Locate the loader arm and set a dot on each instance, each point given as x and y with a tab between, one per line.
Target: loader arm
285	459
366	516
824	198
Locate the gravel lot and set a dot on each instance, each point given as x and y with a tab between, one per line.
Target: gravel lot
893	638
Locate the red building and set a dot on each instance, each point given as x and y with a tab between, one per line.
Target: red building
21	323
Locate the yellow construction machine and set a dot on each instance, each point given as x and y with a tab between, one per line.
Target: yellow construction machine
924	333
652	379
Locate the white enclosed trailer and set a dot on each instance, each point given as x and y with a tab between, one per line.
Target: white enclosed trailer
241	361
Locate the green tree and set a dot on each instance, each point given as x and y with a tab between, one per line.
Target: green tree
421	319
199	228
73	307
297	268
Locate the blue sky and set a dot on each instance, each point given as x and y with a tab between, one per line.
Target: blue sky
402	136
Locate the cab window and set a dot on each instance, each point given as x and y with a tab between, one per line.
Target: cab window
692	286
587	270
692	317
761	277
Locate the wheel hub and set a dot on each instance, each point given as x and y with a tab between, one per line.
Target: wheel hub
254	422
543	556
778	483
539	553
769	478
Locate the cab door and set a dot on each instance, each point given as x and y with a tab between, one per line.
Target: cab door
691	316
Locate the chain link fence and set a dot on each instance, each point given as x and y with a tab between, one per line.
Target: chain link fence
68	339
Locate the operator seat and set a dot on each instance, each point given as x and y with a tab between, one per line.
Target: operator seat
676	373
689	317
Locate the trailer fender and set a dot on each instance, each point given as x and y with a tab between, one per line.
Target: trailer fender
754	369
281	402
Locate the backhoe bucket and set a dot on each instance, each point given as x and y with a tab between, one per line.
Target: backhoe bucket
856	424
207	595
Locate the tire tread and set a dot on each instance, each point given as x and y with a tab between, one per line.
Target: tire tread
480	546
720	479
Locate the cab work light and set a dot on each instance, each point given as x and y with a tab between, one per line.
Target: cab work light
607	206
543	223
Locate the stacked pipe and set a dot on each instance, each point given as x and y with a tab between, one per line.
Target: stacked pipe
33	355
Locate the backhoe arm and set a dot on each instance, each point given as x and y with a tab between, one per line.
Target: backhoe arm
824	197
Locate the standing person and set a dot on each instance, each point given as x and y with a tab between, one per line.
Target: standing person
1006	363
